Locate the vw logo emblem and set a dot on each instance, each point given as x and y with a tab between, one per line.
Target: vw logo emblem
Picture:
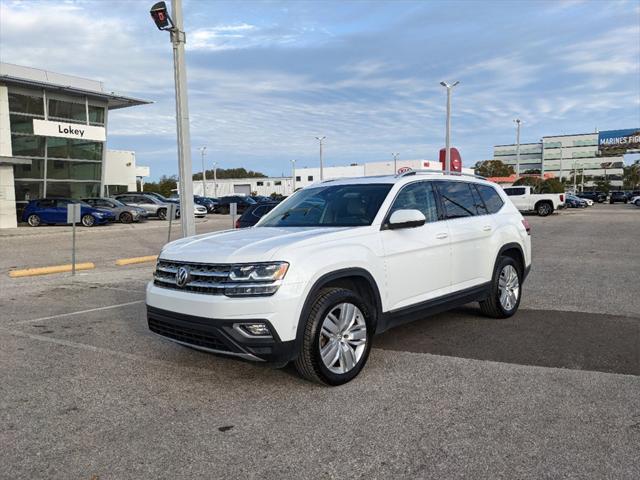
182	276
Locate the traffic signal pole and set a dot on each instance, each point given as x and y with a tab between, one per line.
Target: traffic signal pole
182	120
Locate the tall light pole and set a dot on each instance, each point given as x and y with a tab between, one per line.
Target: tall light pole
215	179
203	151
517	122
447	144
395	162
293	175
321	140
174	25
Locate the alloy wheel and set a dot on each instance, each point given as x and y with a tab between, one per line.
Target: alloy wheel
33	220
509	287
343	338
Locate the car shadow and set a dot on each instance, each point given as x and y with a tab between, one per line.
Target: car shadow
574	340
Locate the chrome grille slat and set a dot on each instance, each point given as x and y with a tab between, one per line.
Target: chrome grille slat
205	278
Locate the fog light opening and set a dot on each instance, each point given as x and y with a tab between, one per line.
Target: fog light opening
253	329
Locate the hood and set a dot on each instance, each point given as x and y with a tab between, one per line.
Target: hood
242	245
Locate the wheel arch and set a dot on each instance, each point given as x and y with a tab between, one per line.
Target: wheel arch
547	201
357	279
515	251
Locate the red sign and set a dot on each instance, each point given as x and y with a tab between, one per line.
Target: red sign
455	158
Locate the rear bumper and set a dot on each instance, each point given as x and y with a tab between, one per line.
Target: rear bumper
219	336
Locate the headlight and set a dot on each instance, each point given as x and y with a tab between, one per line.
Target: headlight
255	280
99	214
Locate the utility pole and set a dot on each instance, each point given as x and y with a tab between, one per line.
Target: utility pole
293	175
517	121
204	175
321	140
174	25
395	162
447	156
215	179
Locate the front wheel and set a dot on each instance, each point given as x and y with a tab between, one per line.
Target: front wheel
162	213
637	202
337	338
126	217
88	220
34	220
506	289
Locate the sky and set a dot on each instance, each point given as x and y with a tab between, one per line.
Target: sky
266	77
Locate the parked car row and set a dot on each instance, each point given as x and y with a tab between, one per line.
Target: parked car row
130	207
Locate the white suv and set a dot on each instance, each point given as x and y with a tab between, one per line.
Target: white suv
338	262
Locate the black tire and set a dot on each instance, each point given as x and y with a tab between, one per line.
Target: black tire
126	217
309	363
543	209
88	220
492	307
34	220
637	202
162	213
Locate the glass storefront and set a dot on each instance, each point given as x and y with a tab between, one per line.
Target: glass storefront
60	167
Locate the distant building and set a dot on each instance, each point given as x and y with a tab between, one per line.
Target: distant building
53	132
599	154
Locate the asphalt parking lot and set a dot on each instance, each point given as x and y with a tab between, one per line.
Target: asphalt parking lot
87	392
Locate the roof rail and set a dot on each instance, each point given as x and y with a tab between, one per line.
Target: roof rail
442	172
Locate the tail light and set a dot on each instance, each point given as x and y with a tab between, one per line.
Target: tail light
527	227
238	223
562	197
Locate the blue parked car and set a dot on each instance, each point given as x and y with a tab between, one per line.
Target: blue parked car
54	210
575	202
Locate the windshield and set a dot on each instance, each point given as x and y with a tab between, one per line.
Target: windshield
329	206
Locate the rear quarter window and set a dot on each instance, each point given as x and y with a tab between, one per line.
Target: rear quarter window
491	198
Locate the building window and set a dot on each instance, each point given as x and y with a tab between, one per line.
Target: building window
310	178
26	191
553	145
21	123
73	189
96	115
72	148
59	109
277	182
72	170
27	146
298	178
259	184
33	170
28	104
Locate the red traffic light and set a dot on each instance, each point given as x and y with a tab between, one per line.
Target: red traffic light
160	15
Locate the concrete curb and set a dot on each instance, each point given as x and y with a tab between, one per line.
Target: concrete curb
132	260
31	272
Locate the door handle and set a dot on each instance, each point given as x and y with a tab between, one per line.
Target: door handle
486	228
442	235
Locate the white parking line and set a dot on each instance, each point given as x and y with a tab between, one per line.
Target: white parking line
60	315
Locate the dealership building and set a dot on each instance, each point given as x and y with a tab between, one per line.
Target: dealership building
53	133
589	155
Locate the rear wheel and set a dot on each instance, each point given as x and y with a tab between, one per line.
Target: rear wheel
506	289
162	213
637	202
337	338
126	217
88	220
34	220
543	209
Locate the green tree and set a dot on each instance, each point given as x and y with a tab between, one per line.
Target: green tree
164	186
533	171
550	185
631	176
230	173
493	168
602	184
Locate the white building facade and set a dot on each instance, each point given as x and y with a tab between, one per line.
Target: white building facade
53	131
567	155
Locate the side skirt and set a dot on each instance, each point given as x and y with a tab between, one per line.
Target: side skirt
431	307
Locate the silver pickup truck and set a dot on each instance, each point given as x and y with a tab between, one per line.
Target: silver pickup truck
542	203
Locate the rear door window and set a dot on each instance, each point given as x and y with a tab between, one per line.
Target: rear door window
457	199
512	192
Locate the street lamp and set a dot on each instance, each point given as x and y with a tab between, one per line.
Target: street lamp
203	151
395	162
447	153
517	122
174	26
293	175
321	140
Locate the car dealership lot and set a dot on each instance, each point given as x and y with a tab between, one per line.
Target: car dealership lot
554	391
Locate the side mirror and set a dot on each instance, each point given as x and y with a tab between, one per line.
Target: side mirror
406	219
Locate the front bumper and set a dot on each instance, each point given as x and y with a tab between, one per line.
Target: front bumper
219	336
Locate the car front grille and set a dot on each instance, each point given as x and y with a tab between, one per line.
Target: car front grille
199	338
203	278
